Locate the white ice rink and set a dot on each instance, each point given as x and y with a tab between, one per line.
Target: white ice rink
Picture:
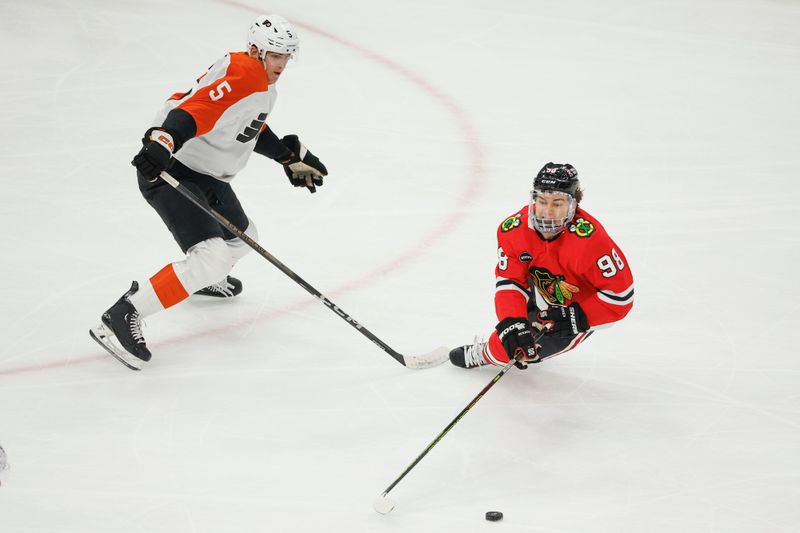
268	413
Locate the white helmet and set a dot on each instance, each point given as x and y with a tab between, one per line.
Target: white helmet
272	33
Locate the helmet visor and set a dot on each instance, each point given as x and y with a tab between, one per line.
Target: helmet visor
550	211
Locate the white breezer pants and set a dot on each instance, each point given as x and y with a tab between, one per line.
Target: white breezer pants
206	263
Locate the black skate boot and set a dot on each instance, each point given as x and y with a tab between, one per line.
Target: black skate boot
469	355
227	288
122	321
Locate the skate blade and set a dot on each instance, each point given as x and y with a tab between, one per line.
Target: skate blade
102	335
428	360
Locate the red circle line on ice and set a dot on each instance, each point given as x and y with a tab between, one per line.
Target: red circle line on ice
470	190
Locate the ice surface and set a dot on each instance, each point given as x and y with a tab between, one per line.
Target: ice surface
432	118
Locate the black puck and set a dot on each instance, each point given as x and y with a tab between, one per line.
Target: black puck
494	516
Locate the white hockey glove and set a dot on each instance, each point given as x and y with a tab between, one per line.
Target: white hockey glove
303	168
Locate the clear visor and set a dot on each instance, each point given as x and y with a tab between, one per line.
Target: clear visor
262	53
550	211
282	46
289	57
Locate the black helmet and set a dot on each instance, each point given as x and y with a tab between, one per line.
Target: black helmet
554	178
557	177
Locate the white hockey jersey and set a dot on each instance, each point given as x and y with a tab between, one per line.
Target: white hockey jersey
229	104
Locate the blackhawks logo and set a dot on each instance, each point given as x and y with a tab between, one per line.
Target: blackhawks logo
554	289
510	223
582	227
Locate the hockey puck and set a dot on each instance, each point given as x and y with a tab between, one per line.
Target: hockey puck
494	516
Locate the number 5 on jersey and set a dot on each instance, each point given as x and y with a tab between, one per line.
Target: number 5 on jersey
219	91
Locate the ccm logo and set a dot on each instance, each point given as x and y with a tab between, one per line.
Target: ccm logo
339	312
166	141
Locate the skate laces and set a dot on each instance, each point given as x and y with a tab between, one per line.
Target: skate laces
222	287
473	355
135	325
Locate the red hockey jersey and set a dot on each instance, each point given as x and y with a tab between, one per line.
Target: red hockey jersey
581	265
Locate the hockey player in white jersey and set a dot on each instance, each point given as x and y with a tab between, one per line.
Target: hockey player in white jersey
203	137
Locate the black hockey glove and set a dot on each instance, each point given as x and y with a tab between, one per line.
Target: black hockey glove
155	154
303	168
518	340
563	321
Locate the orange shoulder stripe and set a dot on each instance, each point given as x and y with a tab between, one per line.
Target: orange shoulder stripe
244	76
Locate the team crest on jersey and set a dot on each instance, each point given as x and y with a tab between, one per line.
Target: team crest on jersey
581	227
510	223
553	288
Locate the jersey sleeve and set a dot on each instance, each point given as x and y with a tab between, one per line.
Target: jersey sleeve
181	126
226	83
608	273
269	145
512	289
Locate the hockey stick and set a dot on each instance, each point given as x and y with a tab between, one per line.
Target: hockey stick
383	504
426	360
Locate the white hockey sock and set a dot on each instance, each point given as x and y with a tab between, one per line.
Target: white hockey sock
145	300
206	263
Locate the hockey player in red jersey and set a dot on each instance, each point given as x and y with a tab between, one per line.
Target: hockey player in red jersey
203	137
560	276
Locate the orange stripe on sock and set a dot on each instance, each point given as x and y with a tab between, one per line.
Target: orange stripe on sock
168	287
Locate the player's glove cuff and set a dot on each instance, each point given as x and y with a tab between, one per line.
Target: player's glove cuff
563	321
518	340
157	148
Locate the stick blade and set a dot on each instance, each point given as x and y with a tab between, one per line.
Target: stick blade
429	359
383	505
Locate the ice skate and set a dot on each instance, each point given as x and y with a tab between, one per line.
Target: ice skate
227	288
123	323
469	355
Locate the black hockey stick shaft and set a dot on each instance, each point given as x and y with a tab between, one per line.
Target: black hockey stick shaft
460	415
189	195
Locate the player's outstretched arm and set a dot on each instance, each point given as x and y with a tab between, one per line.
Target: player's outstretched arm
608	271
